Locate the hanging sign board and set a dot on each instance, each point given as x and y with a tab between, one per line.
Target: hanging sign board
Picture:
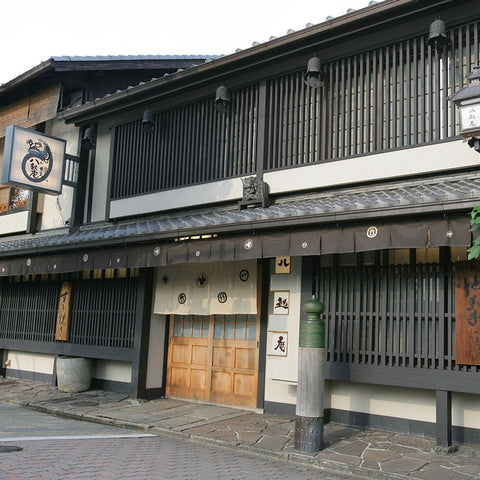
33	160
63	314
467	313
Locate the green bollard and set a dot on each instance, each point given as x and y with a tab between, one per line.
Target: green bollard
311	379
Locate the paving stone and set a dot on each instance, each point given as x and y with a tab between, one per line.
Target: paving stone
472	470
223	435
438	472
370	465
355	447
202	429
249	438
374	453
379	456
413	442
340	458
275	444
404	465
276	430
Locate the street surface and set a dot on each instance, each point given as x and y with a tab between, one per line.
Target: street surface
35	445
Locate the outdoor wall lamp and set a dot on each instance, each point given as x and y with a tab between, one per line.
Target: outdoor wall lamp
313	76
468	102
437	37
438	33
88	140
222	99
147	122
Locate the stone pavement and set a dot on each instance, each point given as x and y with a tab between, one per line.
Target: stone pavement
362	453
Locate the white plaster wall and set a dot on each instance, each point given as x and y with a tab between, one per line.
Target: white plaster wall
112	370
466	410
102	160
57	209
30	362
156	351
398	163
405	403
225	190
14	222
281	372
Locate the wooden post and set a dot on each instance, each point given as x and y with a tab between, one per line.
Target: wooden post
311	378
444	422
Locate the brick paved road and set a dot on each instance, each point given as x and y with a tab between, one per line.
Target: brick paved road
143	458
57	448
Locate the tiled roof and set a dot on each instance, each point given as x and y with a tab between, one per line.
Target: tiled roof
421	196
112	58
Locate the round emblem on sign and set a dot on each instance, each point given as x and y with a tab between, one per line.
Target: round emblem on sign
182	298
85	257
304	244
248	244
244	275
197	253
202	280
372	232
222	297
38	162
29	262
156	251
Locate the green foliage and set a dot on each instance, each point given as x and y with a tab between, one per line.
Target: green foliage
474	250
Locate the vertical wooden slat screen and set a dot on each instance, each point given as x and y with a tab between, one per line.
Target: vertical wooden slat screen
389	315
391	97
102	311
190	144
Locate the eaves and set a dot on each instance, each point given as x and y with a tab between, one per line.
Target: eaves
271	52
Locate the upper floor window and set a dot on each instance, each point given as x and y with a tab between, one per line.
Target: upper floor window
12	198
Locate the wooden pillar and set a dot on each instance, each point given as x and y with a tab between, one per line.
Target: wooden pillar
311	379
142	332
444	422
3	370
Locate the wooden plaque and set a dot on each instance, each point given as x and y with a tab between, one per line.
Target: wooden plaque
467	321
282	264
63	314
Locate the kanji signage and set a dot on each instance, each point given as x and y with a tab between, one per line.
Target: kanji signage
281	302
279	344
33	160
63	314
282	265
467	317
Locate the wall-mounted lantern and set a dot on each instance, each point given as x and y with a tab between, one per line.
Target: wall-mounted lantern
437	36
468	102
222	99
88	140
147	122
313	76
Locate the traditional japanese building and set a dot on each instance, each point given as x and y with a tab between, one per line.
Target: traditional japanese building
217	199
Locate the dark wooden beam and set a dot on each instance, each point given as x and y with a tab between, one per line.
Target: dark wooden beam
142	333
444	420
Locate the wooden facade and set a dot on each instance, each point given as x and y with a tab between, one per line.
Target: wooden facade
362	185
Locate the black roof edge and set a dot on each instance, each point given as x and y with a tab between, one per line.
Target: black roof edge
300	42
31	74
111	62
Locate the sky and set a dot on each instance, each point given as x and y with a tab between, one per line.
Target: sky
33	31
